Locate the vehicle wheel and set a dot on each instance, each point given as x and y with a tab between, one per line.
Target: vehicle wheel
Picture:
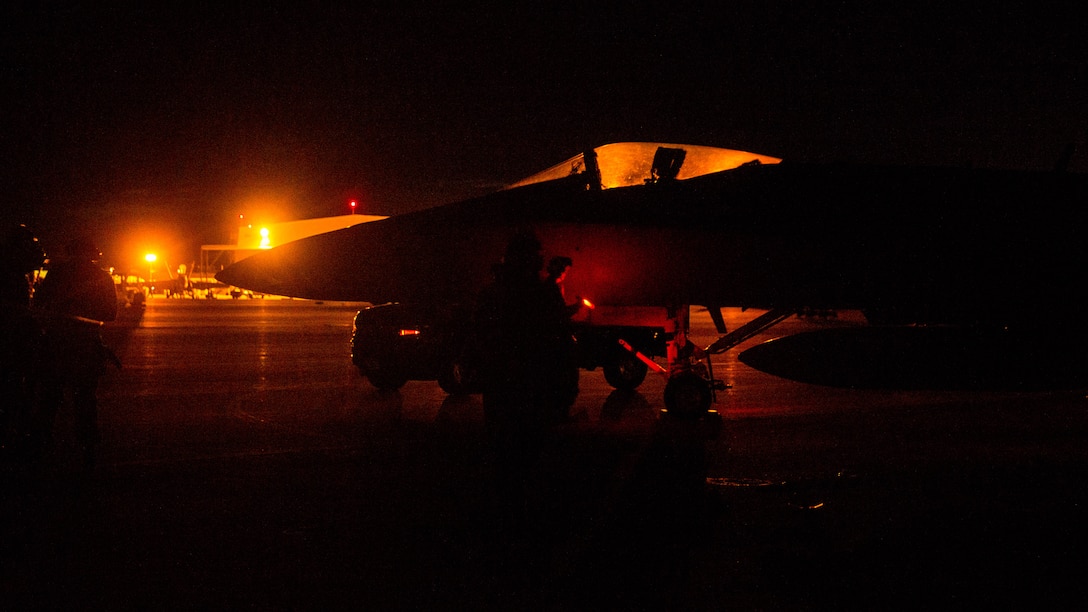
626	373
385	376
457	378
688	396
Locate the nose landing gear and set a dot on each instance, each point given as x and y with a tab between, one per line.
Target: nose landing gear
691	388
689	394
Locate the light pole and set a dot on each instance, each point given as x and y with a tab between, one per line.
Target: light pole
150	258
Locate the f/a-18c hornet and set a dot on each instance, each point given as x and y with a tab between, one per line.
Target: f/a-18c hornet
969	278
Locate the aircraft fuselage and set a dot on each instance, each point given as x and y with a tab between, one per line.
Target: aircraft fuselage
908	244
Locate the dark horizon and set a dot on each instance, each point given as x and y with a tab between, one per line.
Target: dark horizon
178	119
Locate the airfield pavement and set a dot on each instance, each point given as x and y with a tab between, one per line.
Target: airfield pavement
246	465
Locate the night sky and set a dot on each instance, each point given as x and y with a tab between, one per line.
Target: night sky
164	124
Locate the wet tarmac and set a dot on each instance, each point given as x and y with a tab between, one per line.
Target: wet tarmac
246	465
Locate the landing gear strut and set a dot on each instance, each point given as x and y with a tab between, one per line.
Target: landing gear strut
691	388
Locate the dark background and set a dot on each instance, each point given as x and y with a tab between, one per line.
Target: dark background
162	124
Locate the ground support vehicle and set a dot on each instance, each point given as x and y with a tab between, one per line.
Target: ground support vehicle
394	343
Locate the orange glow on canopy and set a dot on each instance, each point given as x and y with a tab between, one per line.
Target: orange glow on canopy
627	164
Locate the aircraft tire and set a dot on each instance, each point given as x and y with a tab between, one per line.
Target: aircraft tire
688	396
626	373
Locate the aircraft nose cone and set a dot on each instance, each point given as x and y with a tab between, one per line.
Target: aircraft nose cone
234	274
243	274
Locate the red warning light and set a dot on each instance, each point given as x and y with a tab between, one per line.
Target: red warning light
353	204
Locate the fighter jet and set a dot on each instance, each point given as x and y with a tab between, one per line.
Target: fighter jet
969	277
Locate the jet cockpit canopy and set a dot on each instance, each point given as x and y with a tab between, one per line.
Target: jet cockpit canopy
627	164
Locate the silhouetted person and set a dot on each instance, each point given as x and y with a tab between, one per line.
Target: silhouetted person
20	336
528	379
74	299
558	268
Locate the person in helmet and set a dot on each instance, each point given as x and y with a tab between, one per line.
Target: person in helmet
20	336
527	376
558	269
523	323
75	286
74	299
